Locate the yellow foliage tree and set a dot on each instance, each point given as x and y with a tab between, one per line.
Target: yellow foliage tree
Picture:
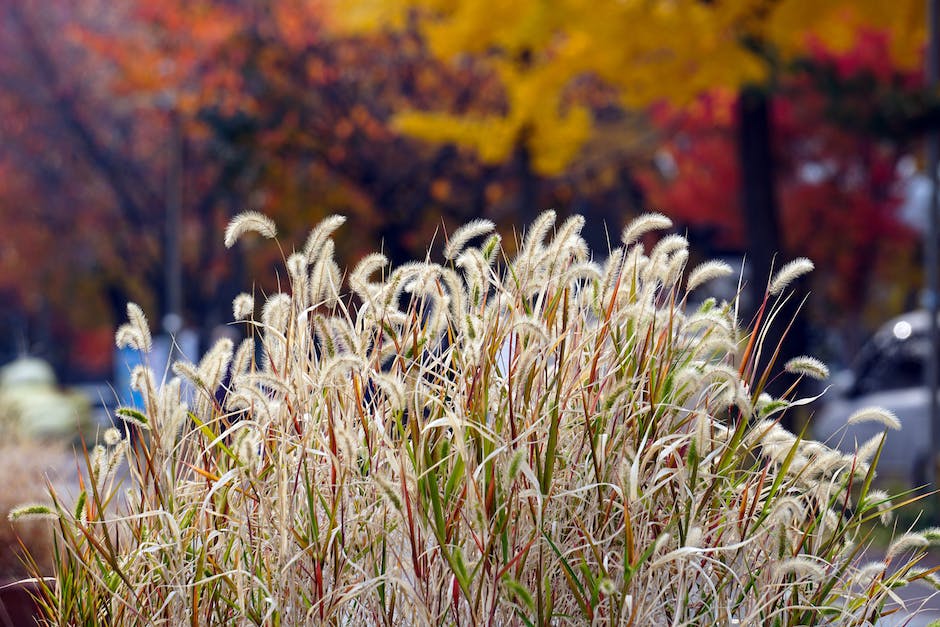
648	50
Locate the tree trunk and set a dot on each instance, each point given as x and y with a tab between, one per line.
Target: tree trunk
527	197
761	221
758	193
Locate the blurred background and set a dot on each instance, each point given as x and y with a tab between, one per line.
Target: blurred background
130	133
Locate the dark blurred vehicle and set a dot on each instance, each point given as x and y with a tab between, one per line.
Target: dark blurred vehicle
890	372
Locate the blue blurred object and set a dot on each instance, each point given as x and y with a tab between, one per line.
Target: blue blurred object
166	350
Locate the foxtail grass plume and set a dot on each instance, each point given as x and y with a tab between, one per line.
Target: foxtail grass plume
297	267
867	449
878	415
131	415
906	542
537	231
932	534
243	306
367	266
808	366
881	501
868	572
319	236
248	222
789	273
457	241
135	333
32	511
642	225
800	567
669	244
707	271
212	367
112	436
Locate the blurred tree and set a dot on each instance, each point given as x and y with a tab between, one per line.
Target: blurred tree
843	124
52	253
839	198
91	168
115	114
646	51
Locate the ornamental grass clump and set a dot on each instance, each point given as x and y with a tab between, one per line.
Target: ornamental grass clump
536	440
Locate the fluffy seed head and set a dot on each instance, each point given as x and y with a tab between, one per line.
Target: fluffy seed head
248	446
867	573
243	356
367	266
789	273
143	381
276	312
675	267
297	268
906	542
809	366
932	534
642	225
879	415
707	271
661	542
800	567
189	372
243	307
32	511
318	236
112	436
136	333
567	234
212	366
126	338
393	389
867	449
538	229
249	221
882	502
464	234
669	244
326	278
139	321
